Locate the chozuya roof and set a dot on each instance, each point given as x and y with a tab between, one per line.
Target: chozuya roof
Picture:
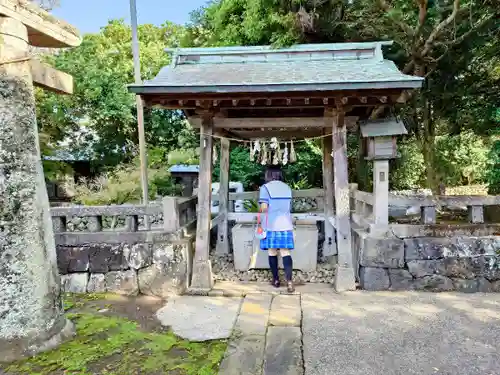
304	67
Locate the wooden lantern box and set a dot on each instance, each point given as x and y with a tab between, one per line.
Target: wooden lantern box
381	137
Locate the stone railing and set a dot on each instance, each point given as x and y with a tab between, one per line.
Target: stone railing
127	259
427	206
427	255
307	200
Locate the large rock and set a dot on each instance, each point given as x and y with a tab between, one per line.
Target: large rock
374	278
97	283
462	268
138	255
72	259
200	318
382	252
400	279
163	280
122	282
421	268
466	286
495	286
426	248
488	245
491	268
105	258
484	286
434	283
75	282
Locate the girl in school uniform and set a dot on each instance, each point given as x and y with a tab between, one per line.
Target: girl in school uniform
275	201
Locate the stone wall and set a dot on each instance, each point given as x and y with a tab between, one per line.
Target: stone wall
152	268
459	263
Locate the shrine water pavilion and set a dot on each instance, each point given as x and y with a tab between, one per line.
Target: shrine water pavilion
252	93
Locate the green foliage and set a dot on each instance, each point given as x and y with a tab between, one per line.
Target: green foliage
117	346
407	172
461	159
493	174
102	68
123	185
251	205
184	156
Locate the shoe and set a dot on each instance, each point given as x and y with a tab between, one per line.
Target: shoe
289	287
276	283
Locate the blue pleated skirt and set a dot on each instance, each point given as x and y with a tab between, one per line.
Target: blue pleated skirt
278	240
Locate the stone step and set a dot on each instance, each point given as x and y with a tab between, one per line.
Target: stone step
283	352
285	311
254	315
244	356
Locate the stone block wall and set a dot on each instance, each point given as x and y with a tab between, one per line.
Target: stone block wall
455	263
157	269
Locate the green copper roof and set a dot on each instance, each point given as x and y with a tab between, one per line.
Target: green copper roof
306	67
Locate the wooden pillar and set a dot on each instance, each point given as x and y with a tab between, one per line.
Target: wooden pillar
31	314
344	275
202	268
222	229
330	245
381	193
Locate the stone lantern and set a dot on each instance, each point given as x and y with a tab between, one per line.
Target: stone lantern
382	146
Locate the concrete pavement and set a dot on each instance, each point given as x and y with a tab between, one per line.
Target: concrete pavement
354	333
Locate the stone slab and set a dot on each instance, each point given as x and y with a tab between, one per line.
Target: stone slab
244	356
242	288
395	333
122	282
374	278
382	252
285	311
75	282
200	318
97	283
283	354
254	315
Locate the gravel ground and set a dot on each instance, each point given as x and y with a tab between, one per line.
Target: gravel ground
370	333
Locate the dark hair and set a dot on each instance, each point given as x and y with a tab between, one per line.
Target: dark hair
273	173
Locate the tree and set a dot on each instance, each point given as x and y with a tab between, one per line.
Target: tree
102	68
430	39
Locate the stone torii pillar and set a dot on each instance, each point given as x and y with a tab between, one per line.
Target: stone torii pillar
31	313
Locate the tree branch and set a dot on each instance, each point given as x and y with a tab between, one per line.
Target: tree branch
439	28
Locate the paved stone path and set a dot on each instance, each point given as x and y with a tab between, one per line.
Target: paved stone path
356	333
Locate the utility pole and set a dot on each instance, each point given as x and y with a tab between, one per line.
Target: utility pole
140	109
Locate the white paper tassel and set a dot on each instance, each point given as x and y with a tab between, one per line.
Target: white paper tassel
284	161
214	155
274	143
252	152
277	155
264	154
293	156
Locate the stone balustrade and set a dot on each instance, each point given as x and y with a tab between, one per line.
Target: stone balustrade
126	259
427	255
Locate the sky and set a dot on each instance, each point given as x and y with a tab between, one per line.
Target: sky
90	15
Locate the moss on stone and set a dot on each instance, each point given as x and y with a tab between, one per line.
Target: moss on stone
116	346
